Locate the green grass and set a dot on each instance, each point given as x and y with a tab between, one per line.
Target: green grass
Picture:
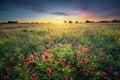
60	42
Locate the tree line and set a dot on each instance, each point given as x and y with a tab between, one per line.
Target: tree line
88	21
76	22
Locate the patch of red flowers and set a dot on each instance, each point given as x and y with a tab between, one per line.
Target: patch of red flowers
104	75
110	69
46	57
83	60
58	45
73	68
67	78
18	65
75	52
6	77
65	41
14	54
86	71
8	70
84	49
31	56
27	72
84	66
94	73
48	71
115	73
101	50
62	61
43	48
39	54
21	56
53	63
34	75
27	61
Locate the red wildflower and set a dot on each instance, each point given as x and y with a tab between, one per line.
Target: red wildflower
21	56
85	71
84	49
31	56
8	70
64	78
31	66
62	61
67	78
81	48
73	68
35	53
101	50
39	54
75	52
58	44
27	61
27	72
104	75
34	75
43	48
64	41
83	60
6	77
53	63
14	54
48	70
110	69
93	73
46	45
78	56
18	65
115	73
46	57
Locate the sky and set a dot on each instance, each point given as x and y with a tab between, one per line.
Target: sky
59	10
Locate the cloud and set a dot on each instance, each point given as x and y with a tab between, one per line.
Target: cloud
60	13
111	15
31	5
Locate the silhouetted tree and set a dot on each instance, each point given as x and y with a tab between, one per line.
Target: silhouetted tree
87	21
70	22
65	21
12	22
76	21
115	20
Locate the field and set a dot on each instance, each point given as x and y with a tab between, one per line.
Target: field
85	51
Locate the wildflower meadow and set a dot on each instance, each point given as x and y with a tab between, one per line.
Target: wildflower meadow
86	51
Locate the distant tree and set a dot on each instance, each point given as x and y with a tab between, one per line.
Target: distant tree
115	20
87	21
65	21
76	21
12	22
70	22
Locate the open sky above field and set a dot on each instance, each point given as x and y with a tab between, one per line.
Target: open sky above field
59	10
